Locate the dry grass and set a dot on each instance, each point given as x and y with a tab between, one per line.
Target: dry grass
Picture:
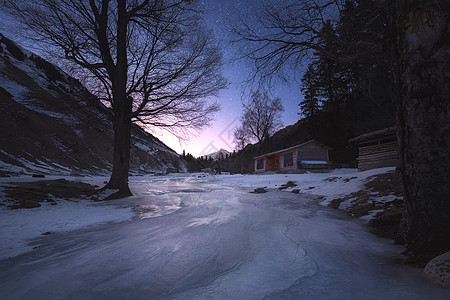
30	194
387	222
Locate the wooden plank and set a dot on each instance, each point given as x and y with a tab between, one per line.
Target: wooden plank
362	153
379	155
379	164
378	148
381	144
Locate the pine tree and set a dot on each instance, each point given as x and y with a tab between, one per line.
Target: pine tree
310	105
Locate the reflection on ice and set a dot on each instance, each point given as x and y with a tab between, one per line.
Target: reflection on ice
148	211
217	218
159	205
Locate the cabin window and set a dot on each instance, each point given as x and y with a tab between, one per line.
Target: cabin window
260	164
288	160
277	162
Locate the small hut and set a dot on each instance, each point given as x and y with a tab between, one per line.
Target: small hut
377	149
311	155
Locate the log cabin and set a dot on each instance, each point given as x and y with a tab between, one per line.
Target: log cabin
309	156
377	149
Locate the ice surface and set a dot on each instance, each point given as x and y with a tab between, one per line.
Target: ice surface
209	238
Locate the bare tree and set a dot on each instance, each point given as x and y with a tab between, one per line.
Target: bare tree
242	137
284	34
262	116
416	40
150	61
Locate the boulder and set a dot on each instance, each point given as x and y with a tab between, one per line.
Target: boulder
287	185
259	190
438	270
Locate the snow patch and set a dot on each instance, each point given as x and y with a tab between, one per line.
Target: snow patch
17	226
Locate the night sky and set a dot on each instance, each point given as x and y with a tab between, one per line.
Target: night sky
219	15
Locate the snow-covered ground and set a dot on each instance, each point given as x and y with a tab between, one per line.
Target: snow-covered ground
201	236
20	225
343	182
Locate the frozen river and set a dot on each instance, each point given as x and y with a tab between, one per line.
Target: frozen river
209	239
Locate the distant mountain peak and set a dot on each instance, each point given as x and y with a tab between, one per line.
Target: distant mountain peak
218	154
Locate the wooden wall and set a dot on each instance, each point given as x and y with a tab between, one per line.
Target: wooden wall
378	155
312	151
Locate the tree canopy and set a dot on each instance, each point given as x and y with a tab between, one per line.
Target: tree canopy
170	61
150	61
261	115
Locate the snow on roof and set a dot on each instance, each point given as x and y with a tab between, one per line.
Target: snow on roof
374	134
314	162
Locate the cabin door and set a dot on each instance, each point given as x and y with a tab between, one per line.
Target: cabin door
273	163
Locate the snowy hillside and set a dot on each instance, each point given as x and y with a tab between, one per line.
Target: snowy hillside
52	125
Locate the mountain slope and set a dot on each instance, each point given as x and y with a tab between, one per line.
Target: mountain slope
51	124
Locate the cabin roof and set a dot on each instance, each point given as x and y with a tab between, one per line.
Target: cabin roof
374	135
293	147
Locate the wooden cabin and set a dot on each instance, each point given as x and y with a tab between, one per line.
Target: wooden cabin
311	155
377	149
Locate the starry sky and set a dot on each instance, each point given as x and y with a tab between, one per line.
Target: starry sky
220	14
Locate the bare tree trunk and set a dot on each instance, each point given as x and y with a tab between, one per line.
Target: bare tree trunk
260	146
122	111
121	156
422	75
